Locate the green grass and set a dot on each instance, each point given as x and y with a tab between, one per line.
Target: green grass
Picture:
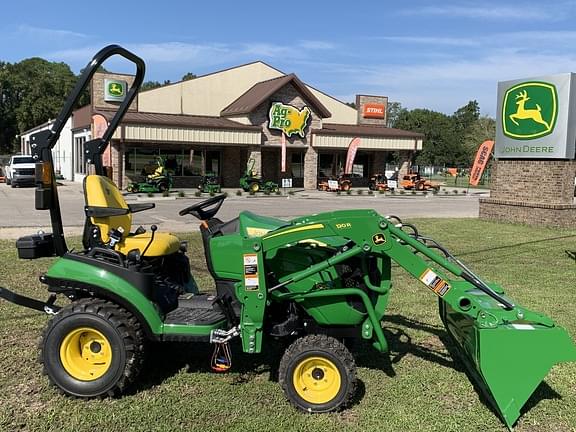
418	387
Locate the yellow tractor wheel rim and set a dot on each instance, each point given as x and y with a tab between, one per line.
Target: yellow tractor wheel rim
86	354
317	380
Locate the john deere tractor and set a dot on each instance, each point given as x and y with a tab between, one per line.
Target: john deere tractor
311	281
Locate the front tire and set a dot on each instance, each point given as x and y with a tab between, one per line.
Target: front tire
318	374
254	187
92	348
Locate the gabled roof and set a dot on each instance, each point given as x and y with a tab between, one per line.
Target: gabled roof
180	120
365	130
260	92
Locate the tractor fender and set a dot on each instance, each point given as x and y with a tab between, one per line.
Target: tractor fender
68	275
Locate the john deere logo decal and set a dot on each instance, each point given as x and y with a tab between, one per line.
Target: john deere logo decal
116	89
288	119
529	110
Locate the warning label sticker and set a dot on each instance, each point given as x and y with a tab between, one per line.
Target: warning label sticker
434	282
251	272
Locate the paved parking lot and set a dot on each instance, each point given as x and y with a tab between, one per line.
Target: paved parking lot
18	216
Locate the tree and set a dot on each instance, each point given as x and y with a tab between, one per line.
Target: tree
8	104
149	85
351	104
481	130
188	76
393	112
441	145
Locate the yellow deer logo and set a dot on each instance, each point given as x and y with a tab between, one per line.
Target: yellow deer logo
524	114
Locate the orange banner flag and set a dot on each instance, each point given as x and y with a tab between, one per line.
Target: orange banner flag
480	162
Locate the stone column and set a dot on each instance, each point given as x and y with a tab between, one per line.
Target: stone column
533	192
405	162
255	154
117	163
310	168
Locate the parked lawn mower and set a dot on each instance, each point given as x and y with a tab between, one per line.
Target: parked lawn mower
342	184
310	281
378	182
159	181
250	183
414	181
209	184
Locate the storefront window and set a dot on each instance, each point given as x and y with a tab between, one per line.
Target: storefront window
297	165
180	162
80	165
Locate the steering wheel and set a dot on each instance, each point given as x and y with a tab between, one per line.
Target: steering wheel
204	210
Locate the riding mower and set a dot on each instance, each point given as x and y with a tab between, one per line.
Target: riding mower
159	181
341	184
250	183
209	184
378	182
312	281
414	181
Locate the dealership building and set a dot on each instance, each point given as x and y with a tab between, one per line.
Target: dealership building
226	121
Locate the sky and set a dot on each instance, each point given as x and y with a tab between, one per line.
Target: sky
424	54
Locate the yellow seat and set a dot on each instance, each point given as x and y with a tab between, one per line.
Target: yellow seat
100	191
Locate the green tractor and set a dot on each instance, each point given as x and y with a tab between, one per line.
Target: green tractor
210	184
312	281
250	183
159	181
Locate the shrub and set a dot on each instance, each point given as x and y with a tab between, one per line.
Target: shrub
455	191
290	192
338	193
359	192
197	194
252	193
212	193
266	192
238	192
278	192
425	193
370	192
165	194
435	191
181	194
150	194
382	191
402	191
348	192
413	192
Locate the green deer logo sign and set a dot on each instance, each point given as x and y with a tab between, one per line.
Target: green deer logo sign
114	90
529	110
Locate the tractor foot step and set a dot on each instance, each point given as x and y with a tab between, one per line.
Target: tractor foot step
195	316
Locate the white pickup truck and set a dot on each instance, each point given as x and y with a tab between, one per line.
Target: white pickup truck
20	171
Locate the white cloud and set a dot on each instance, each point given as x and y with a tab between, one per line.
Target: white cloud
544	12
48	33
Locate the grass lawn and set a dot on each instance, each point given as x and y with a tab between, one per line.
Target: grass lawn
418	387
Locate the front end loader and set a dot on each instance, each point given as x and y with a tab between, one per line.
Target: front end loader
311	281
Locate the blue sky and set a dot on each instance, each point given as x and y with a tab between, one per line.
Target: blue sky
424	54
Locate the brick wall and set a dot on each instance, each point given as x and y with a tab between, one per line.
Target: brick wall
97	91
362	100
534	192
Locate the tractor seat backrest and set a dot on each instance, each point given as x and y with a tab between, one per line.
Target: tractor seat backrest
100	191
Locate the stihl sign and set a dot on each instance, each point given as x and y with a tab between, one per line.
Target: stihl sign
374	110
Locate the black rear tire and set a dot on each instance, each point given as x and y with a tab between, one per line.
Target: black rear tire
92	348
318	374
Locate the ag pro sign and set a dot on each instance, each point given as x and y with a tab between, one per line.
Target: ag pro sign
536	118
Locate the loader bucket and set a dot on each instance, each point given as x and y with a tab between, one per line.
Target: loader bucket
507	361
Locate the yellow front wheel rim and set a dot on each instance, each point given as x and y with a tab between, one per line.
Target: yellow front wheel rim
317	380
86	354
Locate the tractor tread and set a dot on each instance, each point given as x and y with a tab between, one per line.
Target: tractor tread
319	343
127	326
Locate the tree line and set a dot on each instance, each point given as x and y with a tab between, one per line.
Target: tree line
34	90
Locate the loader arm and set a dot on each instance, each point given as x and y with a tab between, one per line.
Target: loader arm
508	349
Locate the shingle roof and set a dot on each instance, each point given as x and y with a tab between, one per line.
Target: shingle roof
364	130
180	120
261	91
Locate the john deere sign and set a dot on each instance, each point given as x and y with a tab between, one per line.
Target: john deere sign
536	118
114	90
